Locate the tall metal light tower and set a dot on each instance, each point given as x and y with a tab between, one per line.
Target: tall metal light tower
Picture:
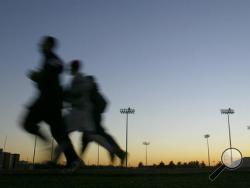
146	144
5	141
127	111
228	112
207	136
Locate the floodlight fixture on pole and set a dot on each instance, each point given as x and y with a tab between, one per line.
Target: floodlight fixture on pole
207	136
146	144
127	111
228	112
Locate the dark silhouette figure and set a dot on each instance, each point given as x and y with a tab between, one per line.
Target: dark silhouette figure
48	105
99	105
87	107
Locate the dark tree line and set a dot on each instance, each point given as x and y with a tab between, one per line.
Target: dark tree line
171	164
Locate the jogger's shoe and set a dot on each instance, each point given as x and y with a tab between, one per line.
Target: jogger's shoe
123	157
112	157
75	165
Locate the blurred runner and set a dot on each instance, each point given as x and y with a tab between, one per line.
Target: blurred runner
87	106
48	104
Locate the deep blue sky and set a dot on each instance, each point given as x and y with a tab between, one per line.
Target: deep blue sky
176	62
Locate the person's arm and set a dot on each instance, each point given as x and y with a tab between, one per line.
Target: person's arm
56	65
35	76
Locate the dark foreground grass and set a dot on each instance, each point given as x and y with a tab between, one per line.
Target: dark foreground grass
187	180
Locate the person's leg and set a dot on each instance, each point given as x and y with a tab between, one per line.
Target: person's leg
58	131
31	120
115	147
99	139
85	142
103	140
109	139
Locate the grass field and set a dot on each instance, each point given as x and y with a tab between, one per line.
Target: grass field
120	179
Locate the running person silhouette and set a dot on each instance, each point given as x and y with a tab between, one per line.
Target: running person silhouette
48	105
87	108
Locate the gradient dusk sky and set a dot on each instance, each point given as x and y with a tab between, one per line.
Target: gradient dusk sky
177	62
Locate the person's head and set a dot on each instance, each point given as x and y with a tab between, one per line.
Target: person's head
48	44
75	66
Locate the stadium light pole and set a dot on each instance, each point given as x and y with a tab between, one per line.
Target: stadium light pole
228	112
34	153
207	136
146	145
127	111
5	141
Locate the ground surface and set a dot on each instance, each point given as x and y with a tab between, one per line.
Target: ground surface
125	178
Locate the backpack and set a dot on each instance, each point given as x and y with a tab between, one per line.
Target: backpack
99	101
